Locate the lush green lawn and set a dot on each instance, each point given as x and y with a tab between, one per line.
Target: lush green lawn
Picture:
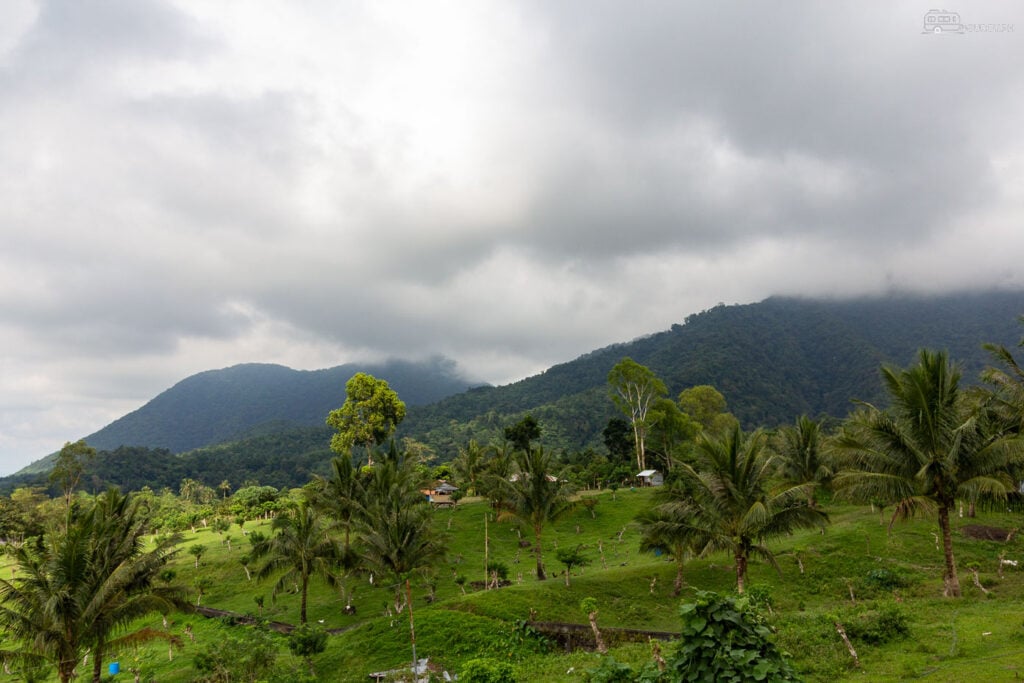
885	588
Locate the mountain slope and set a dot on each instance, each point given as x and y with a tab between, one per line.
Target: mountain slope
772	360
225	405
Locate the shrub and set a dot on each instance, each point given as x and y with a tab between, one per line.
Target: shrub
723	638
247	654
306	641
885	579
760	595
485	670
499	568
877	626
611	670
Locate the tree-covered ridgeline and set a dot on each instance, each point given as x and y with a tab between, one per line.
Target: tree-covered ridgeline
773	361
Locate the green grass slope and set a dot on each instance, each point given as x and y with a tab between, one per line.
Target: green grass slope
883	586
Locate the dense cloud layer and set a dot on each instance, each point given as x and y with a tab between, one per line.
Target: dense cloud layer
189	185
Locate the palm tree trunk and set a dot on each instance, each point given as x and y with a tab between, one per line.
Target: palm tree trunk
302	608
537	551
66	670
412	627
741	571
952	583
677	587
97	663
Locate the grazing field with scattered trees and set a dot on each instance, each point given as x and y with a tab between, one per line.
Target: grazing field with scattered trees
884	546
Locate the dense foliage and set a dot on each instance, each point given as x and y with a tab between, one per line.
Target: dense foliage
82	584
722	639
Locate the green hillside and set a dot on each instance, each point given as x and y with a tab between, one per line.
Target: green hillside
883	586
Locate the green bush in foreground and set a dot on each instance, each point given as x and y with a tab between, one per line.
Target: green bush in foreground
723	638
485	670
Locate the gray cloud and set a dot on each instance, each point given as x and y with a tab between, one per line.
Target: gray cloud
189	186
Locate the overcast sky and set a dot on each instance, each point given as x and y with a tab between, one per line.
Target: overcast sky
191	184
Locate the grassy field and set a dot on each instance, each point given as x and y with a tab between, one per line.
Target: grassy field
884	587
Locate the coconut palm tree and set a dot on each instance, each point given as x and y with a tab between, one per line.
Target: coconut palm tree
302	547
394	522
801	459
469	466
1008	384
933	446
78	586
671	526
128	588
499	464
396	536
341	497
535	496
732	504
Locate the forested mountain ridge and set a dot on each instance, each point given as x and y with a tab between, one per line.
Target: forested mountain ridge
247	400
772	360
223	405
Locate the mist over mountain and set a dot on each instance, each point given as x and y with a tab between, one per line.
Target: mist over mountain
772	360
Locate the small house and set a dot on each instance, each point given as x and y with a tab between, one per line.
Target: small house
441	495
651	478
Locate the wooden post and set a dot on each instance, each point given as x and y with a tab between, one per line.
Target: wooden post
849	646
412	629
977	581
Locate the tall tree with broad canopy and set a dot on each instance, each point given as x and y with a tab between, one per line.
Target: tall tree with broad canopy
80	585
522	433
618	439
706	406
671	430
535	496
634	390
70	466
730	503
368	417
932	446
